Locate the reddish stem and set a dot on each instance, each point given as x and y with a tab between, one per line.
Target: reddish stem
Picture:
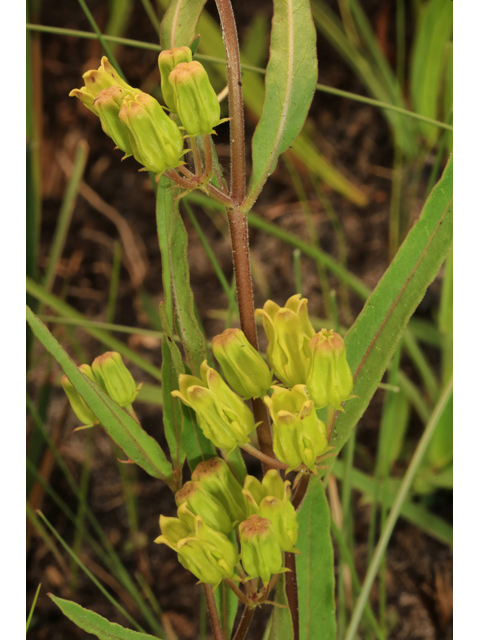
235	101
213	613
291	591
267	461
245	621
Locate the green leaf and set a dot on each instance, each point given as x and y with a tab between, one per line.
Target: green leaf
280	626
173	241
122	428
172	410
315	570
289	88
193	443
440	449
430	61
179	22
373	339
93	623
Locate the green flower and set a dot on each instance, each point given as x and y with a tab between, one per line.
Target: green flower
330	380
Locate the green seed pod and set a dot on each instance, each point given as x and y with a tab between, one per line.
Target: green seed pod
330	380
283	517
107	106
298	434
241	364
222	415
288	331
115	378
215	477
167	61
78	404
157	142
261	553
195	99
200	502
98	80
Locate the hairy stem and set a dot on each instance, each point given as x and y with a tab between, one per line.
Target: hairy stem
240	595
197	161
301	490
235	101
245	621
213	613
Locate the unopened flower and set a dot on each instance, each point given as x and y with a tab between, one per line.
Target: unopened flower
242	365
214	476
288	331
222	415
299	436
261	554
330	380
78	404
167	61
157	142
195	99
114	377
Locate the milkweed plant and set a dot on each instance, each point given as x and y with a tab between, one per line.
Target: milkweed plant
292	408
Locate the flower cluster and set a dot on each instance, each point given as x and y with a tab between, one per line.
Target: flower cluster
138	124
213	505
112	376
311	367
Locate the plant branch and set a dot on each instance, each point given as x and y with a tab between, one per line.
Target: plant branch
301	490
244	624
270	462
235	101
197	161
240	595
213	613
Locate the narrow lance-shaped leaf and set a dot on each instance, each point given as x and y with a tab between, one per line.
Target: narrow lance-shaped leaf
122	428
289	88
94	623
184	436
280	626
315	569
173	241
373	339
179	22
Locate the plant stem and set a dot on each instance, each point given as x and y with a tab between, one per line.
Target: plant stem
245	621
301	490
291	591
330	421
240	595
208	156
213	613
197	161
235	101
267	461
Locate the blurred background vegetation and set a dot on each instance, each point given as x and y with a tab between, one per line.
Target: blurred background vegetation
327	224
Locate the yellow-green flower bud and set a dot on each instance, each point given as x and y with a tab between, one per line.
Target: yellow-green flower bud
167	61
156	140
195	99
298	434
115	378
271	485
215	476
107	106
97	80
222	549
283	517
261	553
242	365
222	415
200	502
78	404
288	331
330	380
207	553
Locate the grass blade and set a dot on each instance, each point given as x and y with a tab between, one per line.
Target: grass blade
32	608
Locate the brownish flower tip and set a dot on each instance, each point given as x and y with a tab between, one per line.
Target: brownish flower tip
255	526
